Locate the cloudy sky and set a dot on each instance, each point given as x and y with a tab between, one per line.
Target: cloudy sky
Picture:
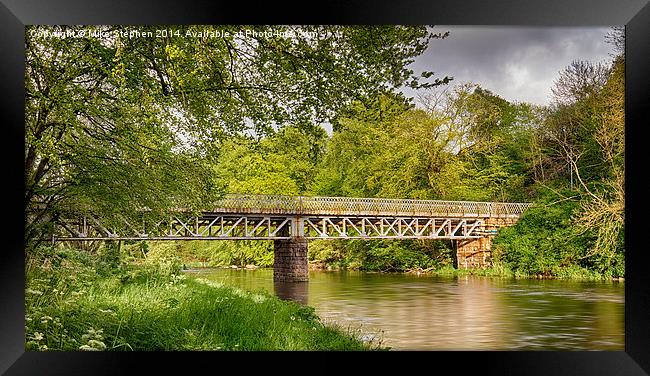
516	63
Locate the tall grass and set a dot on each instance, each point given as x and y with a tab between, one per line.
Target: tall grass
69	307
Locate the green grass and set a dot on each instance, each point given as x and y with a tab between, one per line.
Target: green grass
72	308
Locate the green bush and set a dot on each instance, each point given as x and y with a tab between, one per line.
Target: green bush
328	252
226	253
381	255
163	258
544	242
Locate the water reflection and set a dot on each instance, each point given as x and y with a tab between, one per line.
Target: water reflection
296	291
469	313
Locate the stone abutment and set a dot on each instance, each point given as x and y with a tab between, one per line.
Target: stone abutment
477	253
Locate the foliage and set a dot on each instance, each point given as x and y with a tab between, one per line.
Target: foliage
577	155
163	259
379	108
70	308
381	255
585	140
98	137
220	253
579	80
282	163
468	144
542	240
123	118
603	204
108	258
545	242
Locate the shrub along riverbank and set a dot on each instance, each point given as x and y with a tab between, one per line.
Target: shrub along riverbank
75	302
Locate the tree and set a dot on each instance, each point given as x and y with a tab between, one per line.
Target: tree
616	37
351	157
466	144
583	145
282	163
578	81
380	108
487	142
119	118
603	203
97	142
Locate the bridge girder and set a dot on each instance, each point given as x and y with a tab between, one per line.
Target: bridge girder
267	217
260	227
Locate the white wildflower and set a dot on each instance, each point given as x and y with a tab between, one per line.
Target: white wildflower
97	344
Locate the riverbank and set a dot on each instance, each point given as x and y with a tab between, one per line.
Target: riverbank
70	307
497	271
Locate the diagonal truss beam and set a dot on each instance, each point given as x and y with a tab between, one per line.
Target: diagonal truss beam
255	227
391	228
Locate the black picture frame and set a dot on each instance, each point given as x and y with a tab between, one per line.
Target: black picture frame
635	14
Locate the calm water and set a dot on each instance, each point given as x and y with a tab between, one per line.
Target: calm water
468	313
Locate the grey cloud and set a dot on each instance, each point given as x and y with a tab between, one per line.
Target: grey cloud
517	63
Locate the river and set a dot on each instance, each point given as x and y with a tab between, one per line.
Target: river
411	312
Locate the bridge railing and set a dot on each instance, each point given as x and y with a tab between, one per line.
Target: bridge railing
249	203
301	205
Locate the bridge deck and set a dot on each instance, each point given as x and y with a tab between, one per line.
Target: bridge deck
282	217
350	206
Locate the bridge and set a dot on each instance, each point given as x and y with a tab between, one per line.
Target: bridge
292	220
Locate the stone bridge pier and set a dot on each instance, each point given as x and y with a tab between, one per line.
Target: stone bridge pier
290	260
477	253
473	253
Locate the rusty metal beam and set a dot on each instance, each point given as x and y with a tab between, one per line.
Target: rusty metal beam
266	217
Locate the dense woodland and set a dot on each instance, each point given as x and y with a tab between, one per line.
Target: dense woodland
116	123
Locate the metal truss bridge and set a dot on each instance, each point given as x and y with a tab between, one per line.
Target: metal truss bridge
274	217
